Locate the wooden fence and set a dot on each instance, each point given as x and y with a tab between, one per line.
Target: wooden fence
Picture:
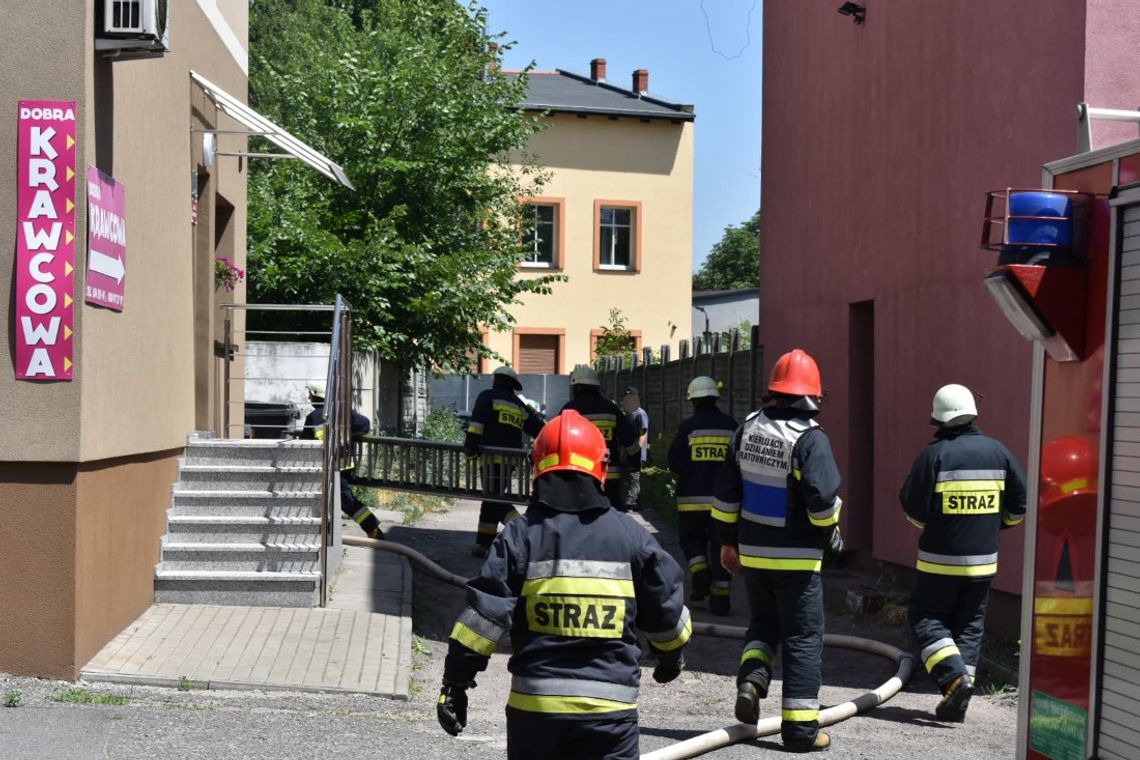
662	380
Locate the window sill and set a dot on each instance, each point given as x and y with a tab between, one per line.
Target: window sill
615	268
535	265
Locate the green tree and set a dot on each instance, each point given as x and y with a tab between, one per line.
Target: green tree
615	337
745	328
734	261
405	95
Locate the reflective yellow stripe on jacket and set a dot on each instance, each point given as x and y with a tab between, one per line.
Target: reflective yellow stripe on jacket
781	558
967	565
570	696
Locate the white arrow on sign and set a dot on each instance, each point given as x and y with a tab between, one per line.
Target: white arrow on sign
107	265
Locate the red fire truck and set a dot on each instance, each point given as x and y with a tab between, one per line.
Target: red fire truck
1067	276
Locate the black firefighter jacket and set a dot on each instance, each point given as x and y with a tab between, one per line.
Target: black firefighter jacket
962	490
696	455
777	495
620	435
573	583
499	419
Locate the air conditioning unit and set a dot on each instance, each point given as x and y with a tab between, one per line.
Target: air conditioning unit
129	29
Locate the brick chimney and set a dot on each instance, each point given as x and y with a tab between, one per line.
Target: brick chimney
493	49
641	81
598	69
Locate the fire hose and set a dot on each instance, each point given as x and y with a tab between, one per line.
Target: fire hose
721	737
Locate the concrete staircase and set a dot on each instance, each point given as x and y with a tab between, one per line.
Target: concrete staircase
244	526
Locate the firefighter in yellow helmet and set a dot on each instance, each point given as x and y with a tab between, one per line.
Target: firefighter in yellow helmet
777	508
573	581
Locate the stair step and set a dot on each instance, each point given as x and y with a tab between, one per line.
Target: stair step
242	529
243	576
229	452
251	557
237	587
183	546
246	503
242	520
270	469
267	479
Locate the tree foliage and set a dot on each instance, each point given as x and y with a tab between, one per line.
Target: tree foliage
734	261
405	95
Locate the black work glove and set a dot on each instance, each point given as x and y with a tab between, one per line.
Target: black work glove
835	541
668	668
451	708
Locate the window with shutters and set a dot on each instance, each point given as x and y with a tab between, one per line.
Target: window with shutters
538	352
617	236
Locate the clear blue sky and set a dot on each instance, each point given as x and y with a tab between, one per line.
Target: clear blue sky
686	51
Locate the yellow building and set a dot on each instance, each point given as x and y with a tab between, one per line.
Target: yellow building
615	217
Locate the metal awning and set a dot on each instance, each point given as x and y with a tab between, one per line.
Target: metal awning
259	125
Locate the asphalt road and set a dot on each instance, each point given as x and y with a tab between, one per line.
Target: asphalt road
169	724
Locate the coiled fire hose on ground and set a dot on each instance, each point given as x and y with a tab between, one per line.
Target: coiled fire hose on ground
721	737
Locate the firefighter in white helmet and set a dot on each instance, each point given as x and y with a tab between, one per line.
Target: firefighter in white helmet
695	457
963	489
621	438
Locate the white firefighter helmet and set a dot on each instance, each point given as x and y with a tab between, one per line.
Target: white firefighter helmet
584	375
703	386
510	374
316	388
953	405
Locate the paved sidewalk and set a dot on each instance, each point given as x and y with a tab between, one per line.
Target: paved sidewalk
360	643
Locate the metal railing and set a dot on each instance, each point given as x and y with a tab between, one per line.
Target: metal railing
235	346
443	469
336	438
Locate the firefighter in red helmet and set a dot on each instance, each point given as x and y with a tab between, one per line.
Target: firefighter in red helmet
777	509
573	581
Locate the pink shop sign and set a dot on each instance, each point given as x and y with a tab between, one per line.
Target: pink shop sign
45	240
106	240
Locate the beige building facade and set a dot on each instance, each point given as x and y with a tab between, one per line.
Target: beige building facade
615	217
86	465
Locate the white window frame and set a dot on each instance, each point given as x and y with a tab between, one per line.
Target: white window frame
532	207
614	226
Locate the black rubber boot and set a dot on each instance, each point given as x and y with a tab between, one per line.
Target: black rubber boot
822	743
955	700
748	696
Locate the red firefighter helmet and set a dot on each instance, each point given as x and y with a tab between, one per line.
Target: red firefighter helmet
796	374
1069	466
570	442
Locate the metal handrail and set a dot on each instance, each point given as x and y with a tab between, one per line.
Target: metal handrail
443	468
336	435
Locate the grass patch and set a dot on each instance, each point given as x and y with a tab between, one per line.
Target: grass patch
13	698
77	696
893	613
184	684
659	492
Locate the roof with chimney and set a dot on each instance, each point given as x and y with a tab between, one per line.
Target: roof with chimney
562	91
